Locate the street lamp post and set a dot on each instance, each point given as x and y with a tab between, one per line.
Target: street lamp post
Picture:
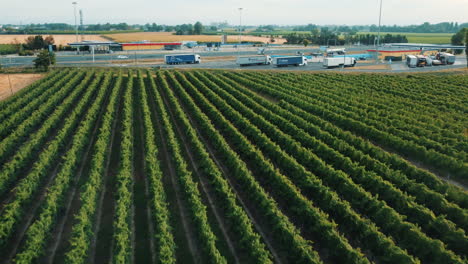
76	23
240	30
76	27
378	34
240	24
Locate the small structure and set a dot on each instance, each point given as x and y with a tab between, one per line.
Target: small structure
143	45
399	51
397	54
97	46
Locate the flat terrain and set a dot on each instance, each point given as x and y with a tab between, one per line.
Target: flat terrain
17	81
59	39
167	36
429	38
223	166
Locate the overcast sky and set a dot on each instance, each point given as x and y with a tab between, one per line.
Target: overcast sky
256	12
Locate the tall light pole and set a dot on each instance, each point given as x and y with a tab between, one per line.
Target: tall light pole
240	24
240	31
378	34
76	23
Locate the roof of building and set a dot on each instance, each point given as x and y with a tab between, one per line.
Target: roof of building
93	43
423	45
392	50
152	44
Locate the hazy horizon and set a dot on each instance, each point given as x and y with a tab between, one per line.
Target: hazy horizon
262	12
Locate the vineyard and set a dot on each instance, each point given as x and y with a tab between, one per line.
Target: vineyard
143	166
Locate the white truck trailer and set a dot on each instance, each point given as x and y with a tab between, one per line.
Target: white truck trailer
253	60
330	62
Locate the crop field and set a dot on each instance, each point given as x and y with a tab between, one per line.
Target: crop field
12	83
7	49
169	36
429	38
59	39
144	166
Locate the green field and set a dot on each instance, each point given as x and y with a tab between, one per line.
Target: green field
197	166
429	38
7	49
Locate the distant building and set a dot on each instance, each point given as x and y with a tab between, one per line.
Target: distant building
151	45
107	46
397	54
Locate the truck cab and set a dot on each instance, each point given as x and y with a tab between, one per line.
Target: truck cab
445	58
411	61
421	61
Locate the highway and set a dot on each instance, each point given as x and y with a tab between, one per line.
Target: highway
63	58
213	60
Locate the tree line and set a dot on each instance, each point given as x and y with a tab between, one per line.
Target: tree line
182	29
327	37
426	27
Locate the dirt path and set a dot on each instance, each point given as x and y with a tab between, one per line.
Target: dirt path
420	165
58	245
265	234
23	171
27	220
13	83
102	242
144	229
189	233
205	186
105	181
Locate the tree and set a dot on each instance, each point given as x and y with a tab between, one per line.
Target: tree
44	60
466	46
197	28
306	42
458	39
35	42
49	40
272	39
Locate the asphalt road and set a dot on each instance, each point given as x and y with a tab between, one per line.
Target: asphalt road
134	57
143	59
315	66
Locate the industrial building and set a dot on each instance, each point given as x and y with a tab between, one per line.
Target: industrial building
399	51
107	46
151	45
396	54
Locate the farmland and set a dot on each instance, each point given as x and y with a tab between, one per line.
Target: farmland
7	49
142	166
12	83
169	36
59	39
429	38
